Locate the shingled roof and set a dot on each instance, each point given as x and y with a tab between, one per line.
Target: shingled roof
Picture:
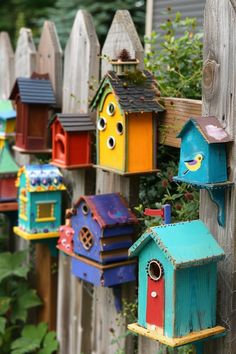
34	90
134	93
75	122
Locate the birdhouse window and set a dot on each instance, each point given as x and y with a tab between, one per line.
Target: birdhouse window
155	270
23	205
111	142
85	209
102	124
45	212
86	238
111	109
120	128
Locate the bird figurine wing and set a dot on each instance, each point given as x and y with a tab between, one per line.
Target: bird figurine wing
195	164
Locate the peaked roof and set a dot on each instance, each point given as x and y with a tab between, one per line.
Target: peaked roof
6	110
210	128
109	210
34	90
134	93
7	162
41	178
74	122
184	244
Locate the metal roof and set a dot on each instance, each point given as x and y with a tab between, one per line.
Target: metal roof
75	122
38	91
184	244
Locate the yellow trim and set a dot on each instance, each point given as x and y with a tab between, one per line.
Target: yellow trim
175	342
24	217
45	219
28	236
24	199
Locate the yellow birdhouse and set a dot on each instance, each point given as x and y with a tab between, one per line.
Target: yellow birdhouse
127	108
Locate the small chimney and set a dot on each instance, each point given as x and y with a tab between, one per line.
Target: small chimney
124	64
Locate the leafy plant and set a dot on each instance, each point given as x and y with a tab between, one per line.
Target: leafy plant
175	57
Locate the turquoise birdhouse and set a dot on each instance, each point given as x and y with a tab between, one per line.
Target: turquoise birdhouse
203	151
177	283
39	195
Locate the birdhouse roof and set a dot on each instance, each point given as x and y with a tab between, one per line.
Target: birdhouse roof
6	110
75	122
109	210
184	244
41	178
34	90
210	128
135	92
7	162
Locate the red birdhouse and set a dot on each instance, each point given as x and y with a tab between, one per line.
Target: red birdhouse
33	97
71	140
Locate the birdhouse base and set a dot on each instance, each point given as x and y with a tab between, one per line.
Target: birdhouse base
26	151
123	173
177	342
216	192
27	236
102	275
8	206
71	167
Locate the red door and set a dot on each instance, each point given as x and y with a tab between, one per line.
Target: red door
155	295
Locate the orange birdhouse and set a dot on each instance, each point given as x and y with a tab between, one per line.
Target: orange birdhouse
127	108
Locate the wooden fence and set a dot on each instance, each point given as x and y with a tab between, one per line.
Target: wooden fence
85	316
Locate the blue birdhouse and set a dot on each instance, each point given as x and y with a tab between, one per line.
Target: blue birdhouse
39	197
177	282
103	231
203	151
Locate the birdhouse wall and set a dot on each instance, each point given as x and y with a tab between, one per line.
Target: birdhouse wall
149	252
212	168
37	125
113	158
141	142
106	277
118	231
21	123
59	144
79	148
195	299
8	189
24	218
87	245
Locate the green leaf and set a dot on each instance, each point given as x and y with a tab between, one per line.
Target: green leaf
12	264
2	325
4	304
35	332
50	343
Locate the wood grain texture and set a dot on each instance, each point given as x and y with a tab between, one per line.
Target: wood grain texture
49	58
6	65
81	65
25	54
105	328
170	122
220	42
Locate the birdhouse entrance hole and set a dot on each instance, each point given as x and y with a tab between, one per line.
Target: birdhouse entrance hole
111	142
120	128
86	238
155	270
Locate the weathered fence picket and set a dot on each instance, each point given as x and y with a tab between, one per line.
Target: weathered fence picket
6	65
25	54
219	99
80	68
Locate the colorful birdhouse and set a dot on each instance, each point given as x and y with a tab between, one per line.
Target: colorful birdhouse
7	119
127	109
177	283
8	173
40	193
71	140
203	151
33	98
103	231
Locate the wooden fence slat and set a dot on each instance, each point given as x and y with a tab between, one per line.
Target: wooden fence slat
105	327
81	66
25	55
220	46
49	58
6	65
